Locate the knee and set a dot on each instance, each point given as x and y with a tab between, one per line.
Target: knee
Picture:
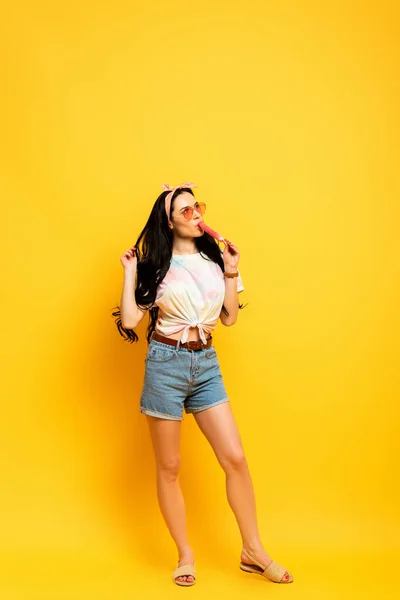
234	461
168	469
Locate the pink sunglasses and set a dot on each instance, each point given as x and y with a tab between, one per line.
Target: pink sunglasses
188	211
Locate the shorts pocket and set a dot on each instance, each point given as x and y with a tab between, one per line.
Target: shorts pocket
158	354
210	352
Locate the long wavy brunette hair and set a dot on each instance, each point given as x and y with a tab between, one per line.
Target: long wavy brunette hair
154	253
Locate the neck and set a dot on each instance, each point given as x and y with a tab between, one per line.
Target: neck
184	246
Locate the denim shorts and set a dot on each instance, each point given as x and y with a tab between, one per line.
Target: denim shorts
177	379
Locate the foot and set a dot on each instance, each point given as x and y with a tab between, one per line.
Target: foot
186	558
262	557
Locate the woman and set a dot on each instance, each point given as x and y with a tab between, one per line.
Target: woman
187	283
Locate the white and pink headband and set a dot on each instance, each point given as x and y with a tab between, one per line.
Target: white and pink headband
171	189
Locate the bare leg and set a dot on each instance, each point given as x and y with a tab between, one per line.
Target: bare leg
218	425
165	436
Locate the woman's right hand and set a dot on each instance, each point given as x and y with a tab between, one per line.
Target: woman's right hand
129	260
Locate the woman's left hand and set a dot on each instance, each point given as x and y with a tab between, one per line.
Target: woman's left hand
231	256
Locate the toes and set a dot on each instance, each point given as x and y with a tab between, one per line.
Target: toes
188	578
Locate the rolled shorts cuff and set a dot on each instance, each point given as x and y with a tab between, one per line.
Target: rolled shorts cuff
189	410
154	413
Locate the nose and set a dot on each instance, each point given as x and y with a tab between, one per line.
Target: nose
196	212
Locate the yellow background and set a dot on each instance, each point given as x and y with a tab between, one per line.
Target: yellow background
285	114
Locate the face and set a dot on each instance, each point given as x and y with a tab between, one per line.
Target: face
181	225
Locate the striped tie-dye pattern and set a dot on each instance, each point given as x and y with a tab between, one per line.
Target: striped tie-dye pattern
191	295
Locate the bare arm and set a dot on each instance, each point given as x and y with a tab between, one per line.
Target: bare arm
231	302
231	257
131	314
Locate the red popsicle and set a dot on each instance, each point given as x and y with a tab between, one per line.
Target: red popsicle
214	234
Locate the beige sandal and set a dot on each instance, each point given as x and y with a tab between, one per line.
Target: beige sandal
274	572
185	570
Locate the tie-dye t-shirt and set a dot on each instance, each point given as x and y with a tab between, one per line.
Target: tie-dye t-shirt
191	295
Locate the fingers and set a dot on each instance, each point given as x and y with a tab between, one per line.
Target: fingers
231	245
131	252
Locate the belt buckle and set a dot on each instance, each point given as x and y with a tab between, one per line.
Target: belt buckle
194	345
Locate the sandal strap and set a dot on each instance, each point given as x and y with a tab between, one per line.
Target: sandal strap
252	558
185	570
274	571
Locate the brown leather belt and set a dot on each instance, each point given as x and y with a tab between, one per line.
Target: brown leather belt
193	345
